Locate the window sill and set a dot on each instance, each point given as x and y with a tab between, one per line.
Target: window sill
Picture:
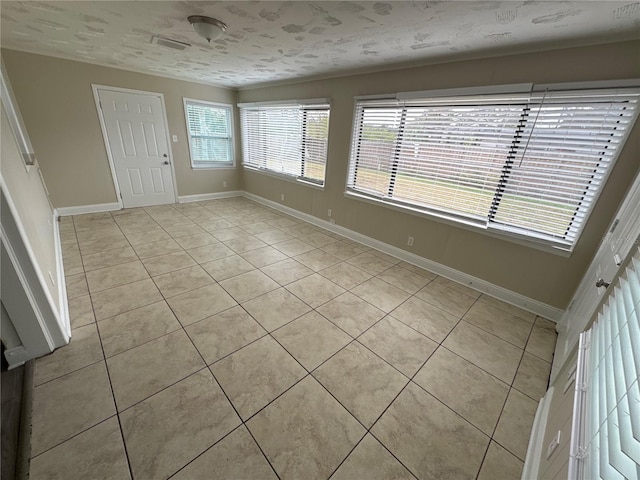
227	166
464	224
286	178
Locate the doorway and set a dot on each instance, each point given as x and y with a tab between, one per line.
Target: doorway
134	127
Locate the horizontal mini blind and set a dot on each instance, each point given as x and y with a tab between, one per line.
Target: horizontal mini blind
210	133
606	428
529	164
286	139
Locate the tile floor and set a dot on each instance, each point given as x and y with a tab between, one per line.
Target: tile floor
222	339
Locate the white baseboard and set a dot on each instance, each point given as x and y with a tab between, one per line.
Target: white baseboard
208	196
65	319
501	293
16	357
535	448
81	209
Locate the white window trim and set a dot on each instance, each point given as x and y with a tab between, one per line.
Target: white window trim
282	176
213	166
443	217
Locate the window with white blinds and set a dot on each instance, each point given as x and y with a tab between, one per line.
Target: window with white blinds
527	164
288	139
605	441
210	130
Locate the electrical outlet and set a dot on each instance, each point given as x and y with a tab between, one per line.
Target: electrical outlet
410	241
224	184
329	213
282	197
174	138
332	221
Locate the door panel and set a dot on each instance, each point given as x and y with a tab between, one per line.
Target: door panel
137	140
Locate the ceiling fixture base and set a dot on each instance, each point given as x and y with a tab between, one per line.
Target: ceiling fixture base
207	27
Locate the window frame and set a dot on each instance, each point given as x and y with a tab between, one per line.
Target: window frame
304	105
514	234
212	164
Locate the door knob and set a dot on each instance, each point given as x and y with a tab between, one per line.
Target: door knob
165	155
601	283
165	162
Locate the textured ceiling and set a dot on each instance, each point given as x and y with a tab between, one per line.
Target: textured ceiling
276	41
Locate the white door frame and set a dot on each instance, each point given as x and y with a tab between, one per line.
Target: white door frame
103	127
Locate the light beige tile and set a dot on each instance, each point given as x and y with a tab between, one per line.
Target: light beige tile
215	225
130	329
514	426
224	333
283	221
244	244
106	278
274	309
402	278
532	376
293	247
227	267
469	391
431	440
83	349
317	239
197	240
228	234
70	250
96	453
311	339
135	374
317	260
486	351
56	416
300	229
351	313
108	258
73	265
76	285
425	318
155	249
418	270
248	285
370	263
401	346
345	275
140	238
171	428
81	311
372	461
182	281
263	256
114	301
342	250
256	374
445	282
88	233
168	263
380	294
446	298
362	382
200	303
258	227
305	433
274	236
185	230
499	464
101	244
542	342
209	253
513	329
235	457
287	271
314	290
518	312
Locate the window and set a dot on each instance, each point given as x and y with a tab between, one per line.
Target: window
289	139
526	164
210	128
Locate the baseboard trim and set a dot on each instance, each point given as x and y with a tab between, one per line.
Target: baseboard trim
16	356
209	196
501	293
62	284
535	448
82	209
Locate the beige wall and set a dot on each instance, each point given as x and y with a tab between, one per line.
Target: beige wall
545	277
58	107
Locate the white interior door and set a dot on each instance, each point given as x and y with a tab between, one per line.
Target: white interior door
137	139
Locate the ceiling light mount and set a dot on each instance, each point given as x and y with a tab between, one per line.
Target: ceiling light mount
207	27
